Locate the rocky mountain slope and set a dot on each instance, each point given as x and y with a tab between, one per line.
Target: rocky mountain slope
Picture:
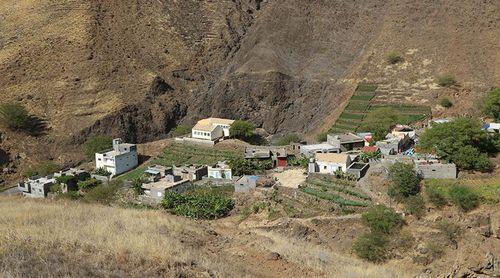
136	69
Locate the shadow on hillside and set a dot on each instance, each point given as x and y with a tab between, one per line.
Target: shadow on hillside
37	126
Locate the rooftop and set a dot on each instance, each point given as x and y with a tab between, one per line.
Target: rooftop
332	157
348	137
209	124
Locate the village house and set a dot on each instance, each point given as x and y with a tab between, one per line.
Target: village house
220	171
36	187
311	150
402	131
358	169
211	129
190	172
71	184
246	183
394	145
346	141
435	169
492	127
156	172
367	137
278	155
122	158
329	163
156	190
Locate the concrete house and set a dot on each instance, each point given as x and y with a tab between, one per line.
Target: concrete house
278	155
311	150
36	187
191	172
329	163
394	145
211	129
246	184
220	171
401	131
122	158
434	169
156	190
346	141
157	172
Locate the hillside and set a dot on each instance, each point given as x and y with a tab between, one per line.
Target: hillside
136	69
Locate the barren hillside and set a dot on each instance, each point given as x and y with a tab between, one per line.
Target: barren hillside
138	68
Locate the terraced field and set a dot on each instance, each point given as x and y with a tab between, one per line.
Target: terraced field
368	97
342	193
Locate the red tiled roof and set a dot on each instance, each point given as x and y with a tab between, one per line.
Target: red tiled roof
369	149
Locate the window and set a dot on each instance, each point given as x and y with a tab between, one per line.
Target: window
324	167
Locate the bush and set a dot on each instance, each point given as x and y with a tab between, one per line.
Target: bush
102	172
436	196
381	219
88	184
180	130
55	188
464	198
446	102
42	169
415	205
242	129
287	139
14	116
97	144
491	104
449	230
198	204
404	181
446	80
322	137
102	194
371	247
394	57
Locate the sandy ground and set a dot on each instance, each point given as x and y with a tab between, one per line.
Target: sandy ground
290	178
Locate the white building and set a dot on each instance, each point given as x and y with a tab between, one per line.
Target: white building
492	127
36	187
401	131
211	129
220	171
122	158
329	163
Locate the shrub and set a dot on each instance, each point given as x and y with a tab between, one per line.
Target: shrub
88	184
394	57
102	194
415	205
96	144
404	181
65	179
42	169
14	116
436	196
446	80
287	139
137	185
381	219
371	247
464	198
55	188
102	172
198	204
491	104
242	129
446	102
436	249
180	130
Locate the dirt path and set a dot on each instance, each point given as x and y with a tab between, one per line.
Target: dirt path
290	178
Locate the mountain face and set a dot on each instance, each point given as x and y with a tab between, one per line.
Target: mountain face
136	69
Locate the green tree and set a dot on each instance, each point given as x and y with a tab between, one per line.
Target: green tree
242	129
491	104
461	141
404	181
97	144
381	219
379	121
14	116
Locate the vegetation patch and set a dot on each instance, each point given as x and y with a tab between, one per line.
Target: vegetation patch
465	194
446	80
201	203
95	145
177	154
43	168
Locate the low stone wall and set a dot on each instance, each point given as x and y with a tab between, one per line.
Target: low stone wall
437	171
189	140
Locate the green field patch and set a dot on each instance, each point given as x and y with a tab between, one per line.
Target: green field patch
332	197
340	188
345	115
366	87
363	97
346	128
487	189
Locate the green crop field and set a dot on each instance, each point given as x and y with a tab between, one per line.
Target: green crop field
362	102
339	192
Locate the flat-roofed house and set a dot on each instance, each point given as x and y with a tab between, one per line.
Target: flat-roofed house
346	141
36	187
190	172
220	171
211	129
329	163
156	190
122	158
